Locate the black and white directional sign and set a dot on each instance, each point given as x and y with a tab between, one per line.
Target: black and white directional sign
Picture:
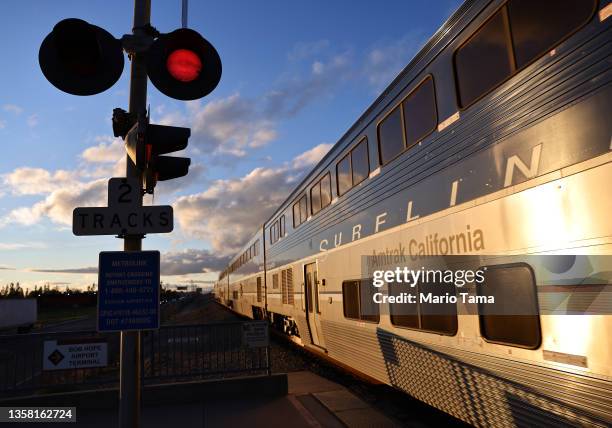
74	354
124	215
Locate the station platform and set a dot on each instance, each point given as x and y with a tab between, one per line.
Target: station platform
312	401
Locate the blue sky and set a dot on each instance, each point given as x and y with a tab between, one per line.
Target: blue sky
296	75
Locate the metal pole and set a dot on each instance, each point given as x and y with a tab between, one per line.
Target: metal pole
130	374
184	14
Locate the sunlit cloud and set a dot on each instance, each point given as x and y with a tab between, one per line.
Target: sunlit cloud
12	108
230	211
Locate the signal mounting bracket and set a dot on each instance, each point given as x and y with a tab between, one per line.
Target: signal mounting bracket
134	44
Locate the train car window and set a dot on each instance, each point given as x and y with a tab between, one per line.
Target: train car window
358	302
368	309
296	214
485	60
510	283
404	314
325	190
303	209
390	136
539	25
315	198
438	317
259	293
433	317
420	115
360	163
282	225
289	280
343	175
300	211
284	286
350	299
275	280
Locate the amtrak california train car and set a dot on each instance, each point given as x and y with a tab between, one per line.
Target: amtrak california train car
493	142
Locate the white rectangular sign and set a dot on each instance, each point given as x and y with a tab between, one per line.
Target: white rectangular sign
119	221
255	334
60	355
124	214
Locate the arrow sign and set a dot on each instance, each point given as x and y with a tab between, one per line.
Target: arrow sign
124	215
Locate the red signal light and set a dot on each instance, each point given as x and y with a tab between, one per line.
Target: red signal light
184	65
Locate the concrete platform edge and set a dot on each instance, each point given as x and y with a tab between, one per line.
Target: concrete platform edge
275	385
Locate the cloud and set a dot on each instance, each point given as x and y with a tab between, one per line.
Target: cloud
58	205
12	108
85	270
37	181
6	246
2	124
229	125
384	61
109	150
5	267
192	261
293	94
312	156
229	212
304	50
234	125
32	120
183	262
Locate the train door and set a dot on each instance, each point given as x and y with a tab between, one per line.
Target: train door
311	294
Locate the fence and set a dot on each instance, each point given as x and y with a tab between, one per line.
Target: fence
53	362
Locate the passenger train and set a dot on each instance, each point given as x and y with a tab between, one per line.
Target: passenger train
493	142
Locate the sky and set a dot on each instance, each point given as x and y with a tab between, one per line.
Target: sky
296	76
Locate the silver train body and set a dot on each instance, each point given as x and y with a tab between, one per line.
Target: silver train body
521	166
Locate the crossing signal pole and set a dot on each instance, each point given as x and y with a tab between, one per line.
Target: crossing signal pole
82	59
130	377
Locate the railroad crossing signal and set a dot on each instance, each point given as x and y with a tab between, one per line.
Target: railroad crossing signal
83	59
146	143
80	58
183	65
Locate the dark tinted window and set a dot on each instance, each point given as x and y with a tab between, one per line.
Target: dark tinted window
357	299
390	136
485	60
438	317
315	198
326	190
368	309
359	162
300	212
538	25
343	173
404	314
296	214
282	226
303	209
420	117
422	315
510	283
350	299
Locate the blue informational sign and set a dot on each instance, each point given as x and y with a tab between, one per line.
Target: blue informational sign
128	290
